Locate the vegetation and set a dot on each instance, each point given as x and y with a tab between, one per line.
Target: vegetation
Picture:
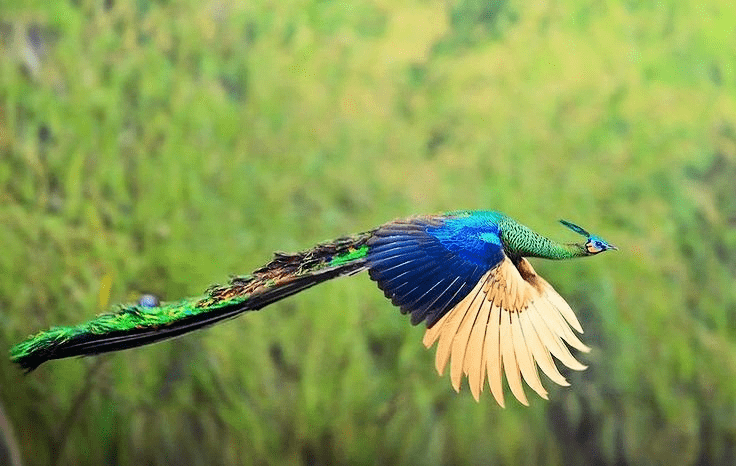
156	147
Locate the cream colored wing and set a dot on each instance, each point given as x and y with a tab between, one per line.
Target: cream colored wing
513	321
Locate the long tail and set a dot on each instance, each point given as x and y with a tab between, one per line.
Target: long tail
136	325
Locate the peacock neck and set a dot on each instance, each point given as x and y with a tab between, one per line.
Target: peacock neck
520	241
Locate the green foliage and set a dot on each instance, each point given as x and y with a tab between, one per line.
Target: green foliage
160	146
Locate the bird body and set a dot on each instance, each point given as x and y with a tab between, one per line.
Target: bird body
463	273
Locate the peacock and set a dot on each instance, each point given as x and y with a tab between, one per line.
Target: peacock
463	273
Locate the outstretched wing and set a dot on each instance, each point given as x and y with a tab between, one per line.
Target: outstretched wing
511	321
427	265
488	314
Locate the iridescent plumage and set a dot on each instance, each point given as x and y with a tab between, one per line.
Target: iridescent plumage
463	273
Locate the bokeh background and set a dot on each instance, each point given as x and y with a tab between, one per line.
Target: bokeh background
160	146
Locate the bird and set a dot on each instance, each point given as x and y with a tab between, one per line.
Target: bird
463	273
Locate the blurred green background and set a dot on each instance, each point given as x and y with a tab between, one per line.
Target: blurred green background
156	146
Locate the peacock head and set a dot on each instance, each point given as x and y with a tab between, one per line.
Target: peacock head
595	244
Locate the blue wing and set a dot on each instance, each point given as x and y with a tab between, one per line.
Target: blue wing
426	265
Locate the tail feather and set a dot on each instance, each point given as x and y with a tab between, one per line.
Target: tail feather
136	325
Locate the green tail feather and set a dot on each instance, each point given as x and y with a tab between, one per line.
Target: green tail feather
135	325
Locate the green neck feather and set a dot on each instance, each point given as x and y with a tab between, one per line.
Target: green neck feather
520	241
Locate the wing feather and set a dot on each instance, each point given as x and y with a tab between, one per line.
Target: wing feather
412	291
524	357
557	324
510	364
474	364
493	353
506	327
461	340
552	296
449	330
408	269
538	350
553	342
419	271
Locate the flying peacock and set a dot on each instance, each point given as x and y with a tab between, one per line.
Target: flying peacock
464	273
